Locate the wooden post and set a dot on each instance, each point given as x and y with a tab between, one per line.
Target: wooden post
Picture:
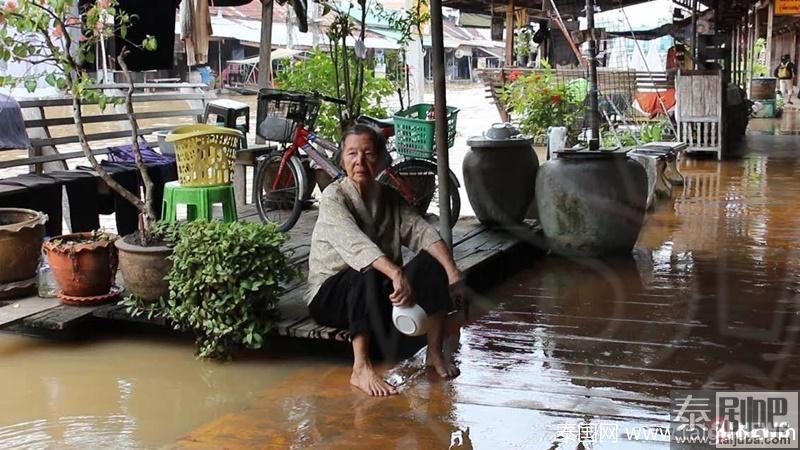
594	113
738	49
265	52
440	111
740	52
510	35
756	36
770	16
752	36
735	55
264	81
694	34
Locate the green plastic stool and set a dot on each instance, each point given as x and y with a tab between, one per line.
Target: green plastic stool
199	201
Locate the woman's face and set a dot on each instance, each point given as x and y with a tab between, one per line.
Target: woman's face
360	159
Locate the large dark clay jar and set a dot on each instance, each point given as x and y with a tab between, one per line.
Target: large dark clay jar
591	206
500	178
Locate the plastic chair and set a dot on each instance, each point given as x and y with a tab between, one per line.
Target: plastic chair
199	201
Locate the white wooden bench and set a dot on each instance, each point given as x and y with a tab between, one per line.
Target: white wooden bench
699	110
51	127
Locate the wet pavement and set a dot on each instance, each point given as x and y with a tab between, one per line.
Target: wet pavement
709	299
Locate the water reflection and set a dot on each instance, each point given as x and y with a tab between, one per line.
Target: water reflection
708	299
115	393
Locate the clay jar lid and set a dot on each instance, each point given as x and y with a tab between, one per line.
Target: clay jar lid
500	135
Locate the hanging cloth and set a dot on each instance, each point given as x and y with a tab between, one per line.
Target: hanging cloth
195	26
155	19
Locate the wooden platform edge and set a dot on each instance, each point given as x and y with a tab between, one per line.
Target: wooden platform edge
476	248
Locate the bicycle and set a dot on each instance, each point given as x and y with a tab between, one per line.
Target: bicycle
283	187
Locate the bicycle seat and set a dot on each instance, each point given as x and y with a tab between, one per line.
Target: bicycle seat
380	123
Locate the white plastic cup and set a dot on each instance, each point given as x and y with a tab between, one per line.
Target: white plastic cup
410	320
556	140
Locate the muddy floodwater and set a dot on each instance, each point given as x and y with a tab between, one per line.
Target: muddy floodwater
120	392
709	299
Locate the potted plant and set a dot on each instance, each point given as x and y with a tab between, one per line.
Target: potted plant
522	46
224	285
21	234
539	100
62	35
83	264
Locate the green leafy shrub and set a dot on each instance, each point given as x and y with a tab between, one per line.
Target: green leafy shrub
539	100
522	44
317	74
224	285
646	133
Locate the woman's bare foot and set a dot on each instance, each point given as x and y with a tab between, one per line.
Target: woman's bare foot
365	378
443	369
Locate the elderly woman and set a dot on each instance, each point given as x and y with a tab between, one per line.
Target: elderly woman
356	271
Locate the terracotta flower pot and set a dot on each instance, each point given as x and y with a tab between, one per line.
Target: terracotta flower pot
82	265
21	235
144	268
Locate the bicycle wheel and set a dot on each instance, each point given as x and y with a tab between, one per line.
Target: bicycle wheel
421	177
279	202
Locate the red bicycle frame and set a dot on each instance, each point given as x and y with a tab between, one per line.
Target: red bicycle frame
303	138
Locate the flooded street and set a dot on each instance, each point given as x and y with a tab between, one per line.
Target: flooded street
122	391
708	300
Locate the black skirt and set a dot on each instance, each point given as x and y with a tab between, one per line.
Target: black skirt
359	301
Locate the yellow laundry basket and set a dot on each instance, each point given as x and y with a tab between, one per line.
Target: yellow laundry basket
205	154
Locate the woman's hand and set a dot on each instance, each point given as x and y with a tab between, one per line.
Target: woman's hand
455	280
403	295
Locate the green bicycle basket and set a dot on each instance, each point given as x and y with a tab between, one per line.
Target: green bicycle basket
414	133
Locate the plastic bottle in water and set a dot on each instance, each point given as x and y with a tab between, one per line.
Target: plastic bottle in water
44	279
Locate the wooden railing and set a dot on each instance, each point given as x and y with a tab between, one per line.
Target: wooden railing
610	82
43	115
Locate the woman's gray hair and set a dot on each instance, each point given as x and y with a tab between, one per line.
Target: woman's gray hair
377	140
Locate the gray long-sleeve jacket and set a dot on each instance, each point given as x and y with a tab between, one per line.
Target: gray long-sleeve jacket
353	232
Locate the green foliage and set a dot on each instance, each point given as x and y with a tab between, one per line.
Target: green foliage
646	133
522	43
224	285
760	69
406	22
39	32
652	132
316	74
539	100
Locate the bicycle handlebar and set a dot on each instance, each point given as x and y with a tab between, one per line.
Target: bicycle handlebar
338	101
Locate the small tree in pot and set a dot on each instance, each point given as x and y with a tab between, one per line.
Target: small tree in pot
522	46
61	37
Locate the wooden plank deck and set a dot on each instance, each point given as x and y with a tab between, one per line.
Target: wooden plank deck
475	246
19	310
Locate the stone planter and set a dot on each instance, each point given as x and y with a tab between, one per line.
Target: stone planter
144	268
500	178
21	235
82	265
591	203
